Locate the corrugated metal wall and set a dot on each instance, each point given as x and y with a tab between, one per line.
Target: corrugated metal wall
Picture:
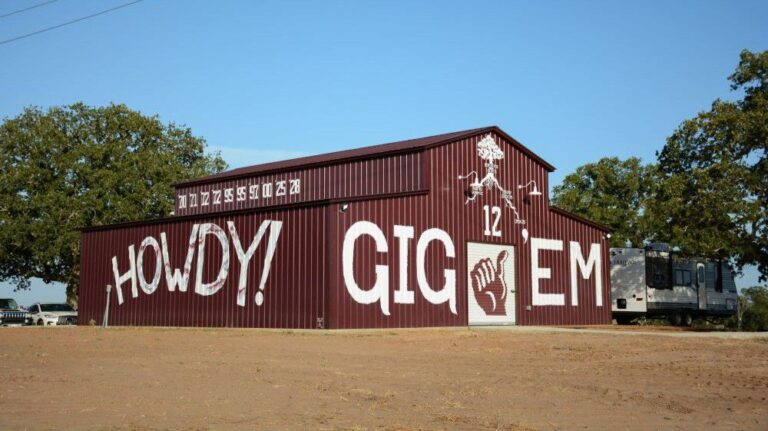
293	296
466	222
445	207
362	178
413	211
420	191
566	229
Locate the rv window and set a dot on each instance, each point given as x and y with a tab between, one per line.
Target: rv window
682	277
701	275
719	277
657	272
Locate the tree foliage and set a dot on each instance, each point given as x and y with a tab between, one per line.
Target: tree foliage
755	314
77	166
708	193
713	197
611	192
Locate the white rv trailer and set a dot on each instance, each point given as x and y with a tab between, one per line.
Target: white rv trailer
653	282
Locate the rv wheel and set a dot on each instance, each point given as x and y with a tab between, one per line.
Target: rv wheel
676	319
687	319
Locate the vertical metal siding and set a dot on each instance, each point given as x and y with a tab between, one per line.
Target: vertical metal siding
306	280
364	178
293	294
445	208
411	211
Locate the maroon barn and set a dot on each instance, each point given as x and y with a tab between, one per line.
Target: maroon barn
448	230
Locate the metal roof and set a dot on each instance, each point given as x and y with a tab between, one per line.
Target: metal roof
362	153
578	218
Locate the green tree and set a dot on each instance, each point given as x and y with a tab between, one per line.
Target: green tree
755	317
611	192
77	166
713	193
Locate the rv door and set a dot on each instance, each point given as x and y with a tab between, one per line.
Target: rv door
702	285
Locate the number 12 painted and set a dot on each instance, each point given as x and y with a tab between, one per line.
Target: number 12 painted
492	230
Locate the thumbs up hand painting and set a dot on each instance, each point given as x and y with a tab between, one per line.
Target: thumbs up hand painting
489	286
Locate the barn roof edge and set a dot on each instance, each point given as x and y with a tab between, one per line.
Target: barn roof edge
399	147
580	219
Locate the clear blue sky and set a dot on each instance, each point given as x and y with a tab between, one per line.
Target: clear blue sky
267	80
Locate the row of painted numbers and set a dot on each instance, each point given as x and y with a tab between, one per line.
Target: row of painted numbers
240	194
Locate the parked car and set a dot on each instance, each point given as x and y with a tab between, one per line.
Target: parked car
12	314
53	314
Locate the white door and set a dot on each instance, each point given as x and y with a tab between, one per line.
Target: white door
490	284
701	282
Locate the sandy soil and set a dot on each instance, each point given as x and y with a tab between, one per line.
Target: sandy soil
153	378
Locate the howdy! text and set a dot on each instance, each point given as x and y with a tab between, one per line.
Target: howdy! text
150	248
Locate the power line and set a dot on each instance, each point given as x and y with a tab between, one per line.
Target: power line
70	22
28	8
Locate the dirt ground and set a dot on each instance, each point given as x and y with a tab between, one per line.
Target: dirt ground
155	378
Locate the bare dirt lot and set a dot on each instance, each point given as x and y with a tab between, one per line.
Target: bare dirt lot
154	378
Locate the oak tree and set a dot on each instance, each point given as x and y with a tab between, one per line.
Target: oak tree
72	167
611	192
708	192
713	194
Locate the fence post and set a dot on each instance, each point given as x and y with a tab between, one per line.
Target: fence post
106	310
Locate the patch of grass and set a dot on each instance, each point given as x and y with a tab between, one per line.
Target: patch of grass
493	423
652	322
572	348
